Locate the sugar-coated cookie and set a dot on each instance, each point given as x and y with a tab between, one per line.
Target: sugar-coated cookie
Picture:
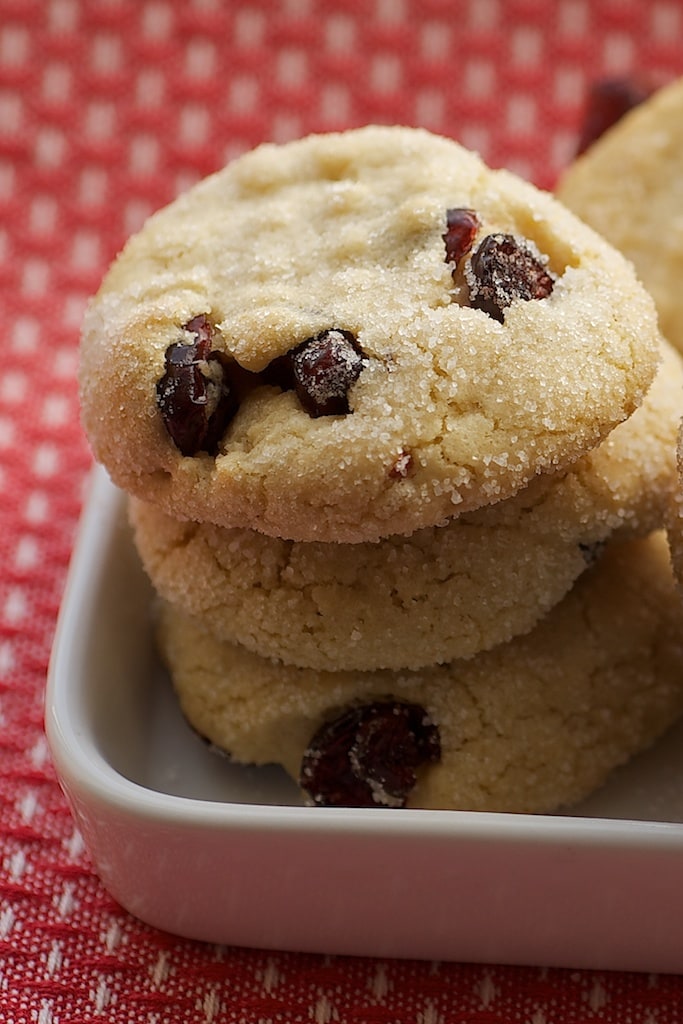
356	335
442	593
532	725
629	187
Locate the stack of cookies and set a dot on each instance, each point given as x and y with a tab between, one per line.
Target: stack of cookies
399	434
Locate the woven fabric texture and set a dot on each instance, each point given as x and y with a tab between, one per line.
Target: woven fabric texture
108	109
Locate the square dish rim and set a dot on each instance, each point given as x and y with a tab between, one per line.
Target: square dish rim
454	872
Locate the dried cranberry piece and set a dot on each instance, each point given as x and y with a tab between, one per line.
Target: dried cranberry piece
607	102
402	466
202	328
194	395
502	269
324	368
461	228
368	756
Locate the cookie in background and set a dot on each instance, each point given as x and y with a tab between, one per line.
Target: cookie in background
628	186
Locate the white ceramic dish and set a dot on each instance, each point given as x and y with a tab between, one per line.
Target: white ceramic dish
202	848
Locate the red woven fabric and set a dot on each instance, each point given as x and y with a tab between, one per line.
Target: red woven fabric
109	108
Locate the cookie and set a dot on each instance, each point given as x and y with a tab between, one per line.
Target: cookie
442	593
675	520
532	725
357	335
628	186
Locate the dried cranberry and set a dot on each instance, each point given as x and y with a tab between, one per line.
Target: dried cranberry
194	395
402	466
324	368
368	756
502	269
461	228
607	102
202	328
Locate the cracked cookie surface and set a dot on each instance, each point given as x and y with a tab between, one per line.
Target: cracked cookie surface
347	236
442	593
529	726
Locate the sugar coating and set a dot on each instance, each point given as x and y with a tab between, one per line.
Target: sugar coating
628	186
442	593
529	726
453	410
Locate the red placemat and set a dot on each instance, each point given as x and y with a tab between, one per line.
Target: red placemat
109	108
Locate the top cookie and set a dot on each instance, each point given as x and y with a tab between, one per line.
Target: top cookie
356	335
629	187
